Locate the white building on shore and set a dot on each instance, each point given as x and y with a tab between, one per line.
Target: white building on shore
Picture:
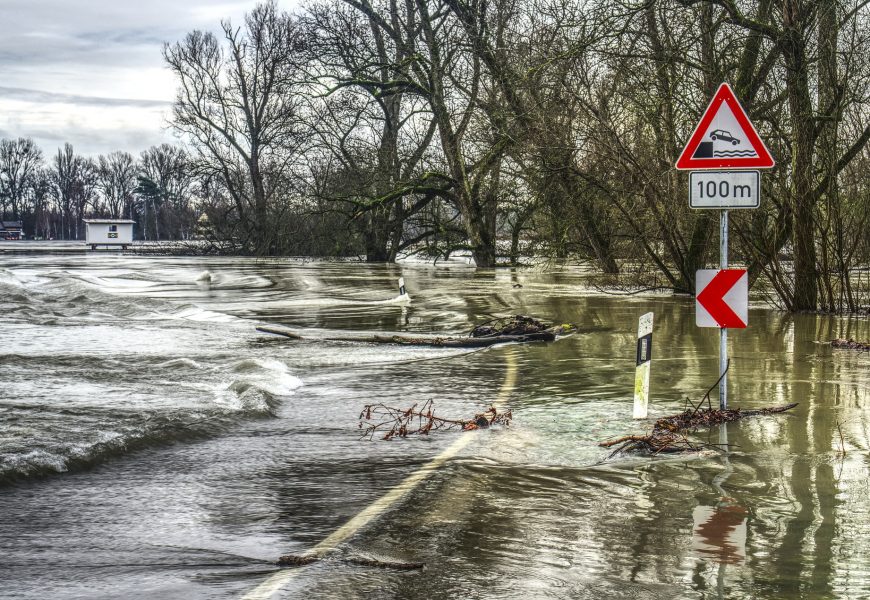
109	232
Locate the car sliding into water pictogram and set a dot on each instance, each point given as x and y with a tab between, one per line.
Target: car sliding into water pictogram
721	134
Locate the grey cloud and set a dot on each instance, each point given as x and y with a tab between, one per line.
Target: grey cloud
91	143
61	59
41	96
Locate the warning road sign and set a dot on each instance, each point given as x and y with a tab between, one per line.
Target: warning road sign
725	138
721	298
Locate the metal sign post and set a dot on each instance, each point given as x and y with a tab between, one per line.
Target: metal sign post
723	331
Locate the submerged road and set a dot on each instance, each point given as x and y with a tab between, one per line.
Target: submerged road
274	583
154	445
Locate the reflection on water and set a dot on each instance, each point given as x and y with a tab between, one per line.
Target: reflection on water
719	533
153	444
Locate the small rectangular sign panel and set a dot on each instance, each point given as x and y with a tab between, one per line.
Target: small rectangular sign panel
724	189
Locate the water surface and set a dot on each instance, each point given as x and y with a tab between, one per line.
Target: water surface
154	444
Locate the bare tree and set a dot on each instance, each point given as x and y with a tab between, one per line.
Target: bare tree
238	104
74	179
164	182
19	161
805	52
377	136
116	175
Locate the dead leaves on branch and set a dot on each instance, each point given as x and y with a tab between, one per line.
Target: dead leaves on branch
393	422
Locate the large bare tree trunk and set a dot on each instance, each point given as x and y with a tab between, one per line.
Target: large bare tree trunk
803	142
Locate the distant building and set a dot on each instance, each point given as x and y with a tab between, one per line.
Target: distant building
11	230
109	232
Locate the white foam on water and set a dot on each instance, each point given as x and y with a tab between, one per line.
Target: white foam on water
255	385
268	374
397	300
180	362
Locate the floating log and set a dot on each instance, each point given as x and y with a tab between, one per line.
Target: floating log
299	560
517	329
851	345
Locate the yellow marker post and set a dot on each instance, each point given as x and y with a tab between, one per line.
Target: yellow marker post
641	373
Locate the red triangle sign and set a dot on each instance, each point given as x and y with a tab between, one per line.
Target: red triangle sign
725	139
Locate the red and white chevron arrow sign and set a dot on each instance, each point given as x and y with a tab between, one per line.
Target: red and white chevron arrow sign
721	298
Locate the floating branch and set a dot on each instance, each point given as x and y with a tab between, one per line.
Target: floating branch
851	345
668	436
402	422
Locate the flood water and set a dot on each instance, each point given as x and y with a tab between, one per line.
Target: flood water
153	444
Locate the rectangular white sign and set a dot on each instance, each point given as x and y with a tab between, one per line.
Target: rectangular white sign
724	189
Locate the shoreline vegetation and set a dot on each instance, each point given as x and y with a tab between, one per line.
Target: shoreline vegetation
499	131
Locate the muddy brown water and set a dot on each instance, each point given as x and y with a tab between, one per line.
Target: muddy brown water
154	445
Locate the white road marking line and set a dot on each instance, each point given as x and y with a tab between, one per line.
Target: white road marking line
273	584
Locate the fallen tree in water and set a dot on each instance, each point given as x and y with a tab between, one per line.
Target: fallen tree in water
518	329
402	422
668	433
851	345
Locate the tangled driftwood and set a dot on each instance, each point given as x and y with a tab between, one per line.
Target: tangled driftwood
518	325
667	435
851	345
402	422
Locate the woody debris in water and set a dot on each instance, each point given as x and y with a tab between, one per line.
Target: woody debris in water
668	434
501	330
402	422
851	345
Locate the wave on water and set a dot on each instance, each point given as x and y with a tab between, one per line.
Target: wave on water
256	385
87	441
176	363
51	437
60	298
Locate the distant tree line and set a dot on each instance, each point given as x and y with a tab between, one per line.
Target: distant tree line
52	196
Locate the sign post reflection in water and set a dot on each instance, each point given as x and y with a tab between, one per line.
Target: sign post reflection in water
641	373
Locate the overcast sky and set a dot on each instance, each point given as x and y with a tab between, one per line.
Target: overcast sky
90	72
